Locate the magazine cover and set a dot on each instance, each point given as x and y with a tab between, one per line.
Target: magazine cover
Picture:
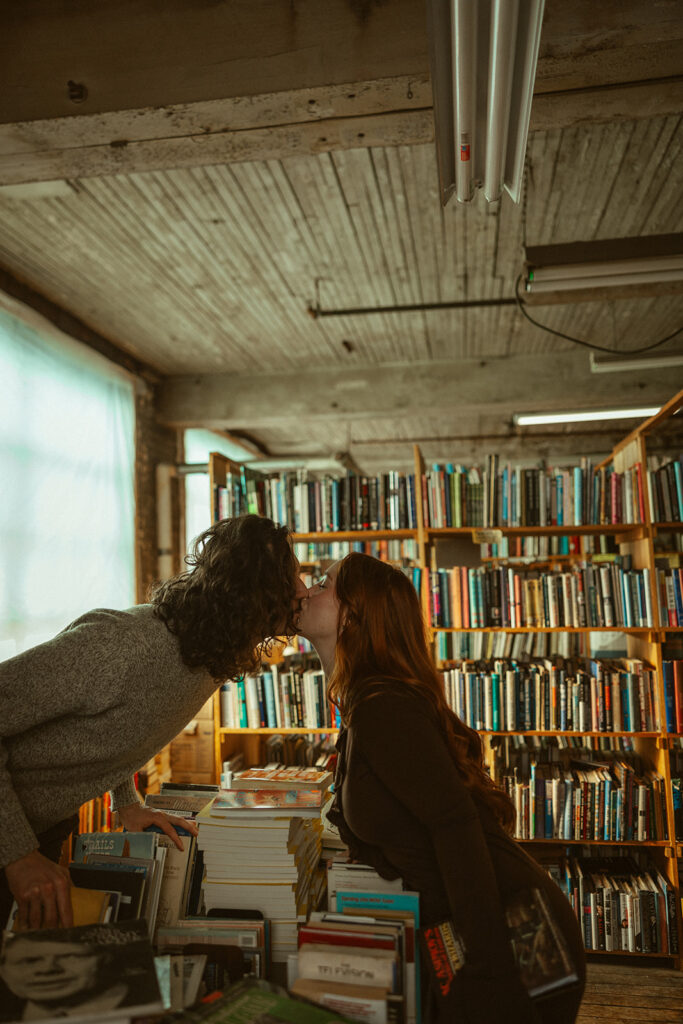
91	973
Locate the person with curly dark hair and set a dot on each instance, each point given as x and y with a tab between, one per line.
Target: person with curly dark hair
81	713
413	798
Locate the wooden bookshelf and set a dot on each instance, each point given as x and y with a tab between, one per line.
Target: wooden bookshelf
645	643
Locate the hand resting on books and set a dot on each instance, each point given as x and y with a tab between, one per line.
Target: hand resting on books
136	818
41	889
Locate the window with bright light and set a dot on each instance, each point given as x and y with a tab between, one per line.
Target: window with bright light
67	459
198	446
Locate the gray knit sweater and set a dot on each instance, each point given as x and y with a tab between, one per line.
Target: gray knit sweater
84	711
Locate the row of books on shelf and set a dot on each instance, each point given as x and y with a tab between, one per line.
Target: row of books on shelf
540	696
454	495
95	815
605	595
400	551
670	594
665	482
623	904
672	671
543	547
457	496
520	646
307	505
275	699
589	801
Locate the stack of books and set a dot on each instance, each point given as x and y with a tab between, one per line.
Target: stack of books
360	958
261	843
126	870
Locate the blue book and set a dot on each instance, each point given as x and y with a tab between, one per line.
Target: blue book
242	702
669	695
505	497
495	688
479	579
678	476
560	499
578	496
269	694
678	596
115	844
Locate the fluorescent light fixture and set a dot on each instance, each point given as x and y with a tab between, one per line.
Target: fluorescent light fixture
610	273
536	419
626	363
483	56
614	273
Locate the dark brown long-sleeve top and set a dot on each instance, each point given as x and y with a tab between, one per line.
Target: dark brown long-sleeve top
402	805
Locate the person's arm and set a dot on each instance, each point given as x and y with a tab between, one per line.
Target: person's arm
406	751
44	683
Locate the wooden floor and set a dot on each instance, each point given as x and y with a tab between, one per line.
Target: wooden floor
632	995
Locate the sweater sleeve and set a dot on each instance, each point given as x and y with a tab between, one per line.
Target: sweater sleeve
49	681
124	795
407	752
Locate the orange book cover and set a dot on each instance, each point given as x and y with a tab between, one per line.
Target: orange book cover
456	613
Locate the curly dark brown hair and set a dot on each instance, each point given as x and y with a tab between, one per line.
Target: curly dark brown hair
236	598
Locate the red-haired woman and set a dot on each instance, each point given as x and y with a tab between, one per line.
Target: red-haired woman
414	800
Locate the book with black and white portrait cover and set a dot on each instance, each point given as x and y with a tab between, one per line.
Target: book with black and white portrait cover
93	973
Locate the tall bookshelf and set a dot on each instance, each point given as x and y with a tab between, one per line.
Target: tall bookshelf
644	643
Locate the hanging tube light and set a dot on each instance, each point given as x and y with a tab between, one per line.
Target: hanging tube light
483	57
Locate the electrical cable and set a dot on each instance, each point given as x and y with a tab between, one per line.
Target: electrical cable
521	305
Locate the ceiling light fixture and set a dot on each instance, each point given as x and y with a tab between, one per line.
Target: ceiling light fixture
625	363
483	56
615	273
580	416
604	268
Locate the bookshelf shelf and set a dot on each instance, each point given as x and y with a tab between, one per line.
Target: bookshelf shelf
635	630
660	843
639	956
303	730
632	530
350	535
559	732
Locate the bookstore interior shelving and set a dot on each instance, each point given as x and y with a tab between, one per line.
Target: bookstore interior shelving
605	544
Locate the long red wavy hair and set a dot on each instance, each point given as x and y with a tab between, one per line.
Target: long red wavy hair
382	638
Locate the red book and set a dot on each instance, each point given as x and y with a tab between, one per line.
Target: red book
341	937
641	499
678	694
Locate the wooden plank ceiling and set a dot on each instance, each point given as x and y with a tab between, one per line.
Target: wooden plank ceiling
212	269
